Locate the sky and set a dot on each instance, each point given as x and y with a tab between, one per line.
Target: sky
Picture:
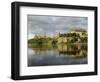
51	25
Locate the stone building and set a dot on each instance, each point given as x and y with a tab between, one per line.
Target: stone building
73	36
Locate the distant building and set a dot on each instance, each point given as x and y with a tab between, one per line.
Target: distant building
40	36
73	36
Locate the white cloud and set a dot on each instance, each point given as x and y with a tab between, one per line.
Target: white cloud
52	24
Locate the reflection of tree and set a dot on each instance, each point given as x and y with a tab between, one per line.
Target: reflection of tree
73	50
72	43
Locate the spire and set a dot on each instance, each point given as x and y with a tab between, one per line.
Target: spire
35	36
45	35
59	34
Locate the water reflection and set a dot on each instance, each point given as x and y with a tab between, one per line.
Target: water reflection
61	54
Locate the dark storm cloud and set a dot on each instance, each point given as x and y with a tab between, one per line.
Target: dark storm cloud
52	24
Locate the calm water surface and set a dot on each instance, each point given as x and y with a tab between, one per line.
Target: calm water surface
57	55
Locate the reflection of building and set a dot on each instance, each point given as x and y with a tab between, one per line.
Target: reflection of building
76	50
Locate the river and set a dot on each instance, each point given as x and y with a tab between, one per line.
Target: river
57	55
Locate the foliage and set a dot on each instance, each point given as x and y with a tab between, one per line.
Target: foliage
71	38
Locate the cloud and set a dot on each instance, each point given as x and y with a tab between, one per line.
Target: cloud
38	24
